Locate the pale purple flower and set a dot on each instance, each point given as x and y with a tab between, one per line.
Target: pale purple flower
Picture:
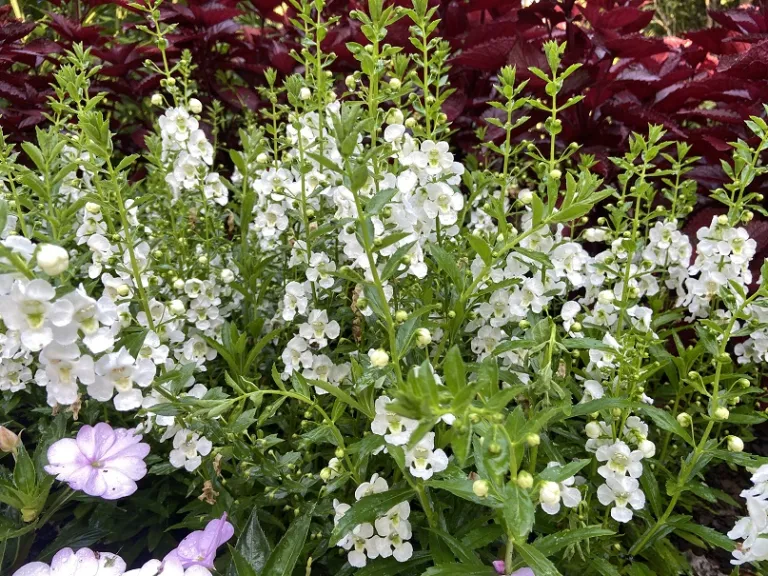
84	562
101	461
501	569
199	547
168	567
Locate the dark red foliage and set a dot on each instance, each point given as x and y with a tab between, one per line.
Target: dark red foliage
700	87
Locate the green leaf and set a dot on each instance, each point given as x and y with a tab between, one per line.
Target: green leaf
380	199
604	567
285	555
482	248
535	560
251	551
462	553
367	509
553	543
709	535
560	473
391	567
462	487
447	263
337	392
518	511
460	570
665	421
454	371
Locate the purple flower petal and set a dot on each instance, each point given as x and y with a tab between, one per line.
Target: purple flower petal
199	547
101	462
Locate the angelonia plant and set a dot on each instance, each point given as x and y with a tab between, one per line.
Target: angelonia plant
341	348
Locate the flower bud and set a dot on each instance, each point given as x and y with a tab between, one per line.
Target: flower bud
379	358
262	158
350	82
176	307
227	275
525	196
395	116
549	493
178	284
721	413
423	337
410	122
576	327
524	480
606	297
123	290
203	259
722	220
401	316
9	442
532	439
593	429
325	474
648	448
157	99
305	93
92	207
555	174
339	452
195	106
52	259
684	419
735	444
395	84
481	488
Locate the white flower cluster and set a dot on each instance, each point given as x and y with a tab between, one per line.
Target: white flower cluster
190	155
753	529
423	460
551	494
622	466
388	536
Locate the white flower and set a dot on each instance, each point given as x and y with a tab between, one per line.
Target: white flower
62	367
188	450
52	259
379	358
437	157
553	492
621	491
214	189
619	460
296	353
118	371
396	429
423	460
376	485
320	269
28	309
317	328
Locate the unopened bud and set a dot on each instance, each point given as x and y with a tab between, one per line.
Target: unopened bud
9	442
379	358
481	488
195	106
524	480
157	99
305	93
423	337
735	444
532	439
721	413
684	419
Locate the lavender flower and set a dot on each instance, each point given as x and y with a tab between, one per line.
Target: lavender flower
101	462
168	567
501	569
84	562
199	547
